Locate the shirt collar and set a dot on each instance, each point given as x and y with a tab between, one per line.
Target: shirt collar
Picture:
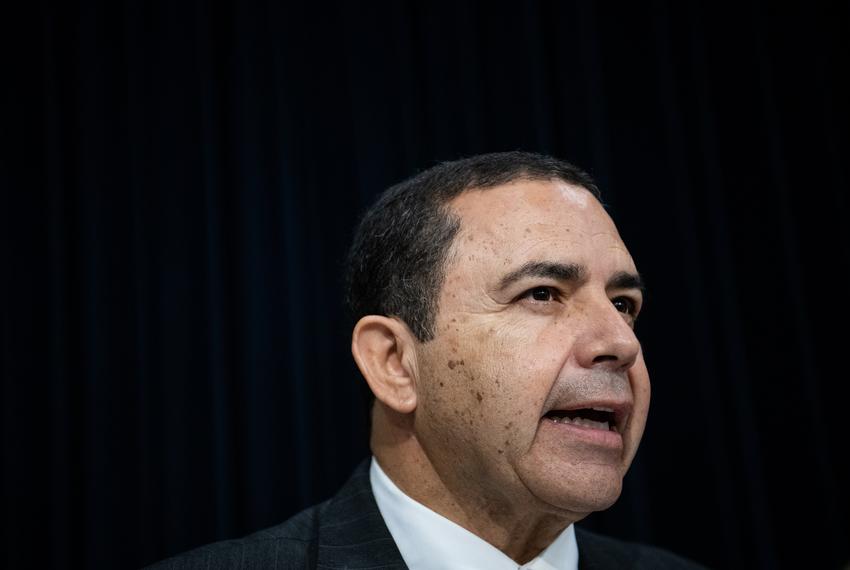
429	541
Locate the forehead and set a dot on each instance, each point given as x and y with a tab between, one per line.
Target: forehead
539	200
553	219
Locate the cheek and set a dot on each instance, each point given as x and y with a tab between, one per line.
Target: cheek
514	375
448	388
639	380
474	392
493	376
534	351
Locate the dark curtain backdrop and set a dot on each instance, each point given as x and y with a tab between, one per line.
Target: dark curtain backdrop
180	181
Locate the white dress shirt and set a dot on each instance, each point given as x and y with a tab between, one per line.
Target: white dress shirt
429	541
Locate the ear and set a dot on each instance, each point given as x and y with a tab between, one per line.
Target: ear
383	348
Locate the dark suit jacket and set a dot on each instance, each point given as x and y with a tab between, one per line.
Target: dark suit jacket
347	531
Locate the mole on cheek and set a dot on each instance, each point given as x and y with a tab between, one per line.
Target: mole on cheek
479	397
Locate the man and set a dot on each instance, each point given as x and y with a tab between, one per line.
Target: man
495	306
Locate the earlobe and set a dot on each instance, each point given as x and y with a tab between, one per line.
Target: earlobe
383	350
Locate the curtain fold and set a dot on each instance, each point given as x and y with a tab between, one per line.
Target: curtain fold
180	182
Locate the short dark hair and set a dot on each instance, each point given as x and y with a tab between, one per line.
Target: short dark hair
395	266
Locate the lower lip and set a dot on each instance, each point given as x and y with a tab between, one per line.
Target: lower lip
598	437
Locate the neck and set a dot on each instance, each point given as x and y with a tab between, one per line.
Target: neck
520	532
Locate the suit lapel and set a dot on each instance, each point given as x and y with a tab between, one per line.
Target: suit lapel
596	552
352	533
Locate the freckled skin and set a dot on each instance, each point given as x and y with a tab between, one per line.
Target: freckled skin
517	483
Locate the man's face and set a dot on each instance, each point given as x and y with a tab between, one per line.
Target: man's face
534	330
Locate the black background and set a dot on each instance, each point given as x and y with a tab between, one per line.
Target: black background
180	181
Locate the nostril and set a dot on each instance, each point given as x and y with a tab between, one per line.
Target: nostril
604	358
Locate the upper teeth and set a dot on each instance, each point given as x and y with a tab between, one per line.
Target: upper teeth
582	422
602	409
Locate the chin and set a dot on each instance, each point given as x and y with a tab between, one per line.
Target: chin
588	500
591	490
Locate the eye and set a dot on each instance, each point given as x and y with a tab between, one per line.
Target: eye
540	294
625	305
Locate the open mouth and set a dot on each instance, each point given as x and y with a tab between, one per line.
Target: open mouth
593	418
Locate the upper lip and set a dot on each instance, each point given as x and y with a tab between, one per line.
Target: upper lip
620	408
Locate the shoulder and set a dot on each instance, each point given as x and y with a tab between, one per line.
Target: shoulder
598	552
291	544
346	531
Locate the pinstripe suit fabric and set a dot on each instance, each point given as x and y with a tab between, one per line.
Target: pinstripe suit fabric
347	532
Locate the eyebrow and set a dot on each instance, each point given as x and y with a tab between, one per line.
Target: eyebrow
626	280
574	272
559	271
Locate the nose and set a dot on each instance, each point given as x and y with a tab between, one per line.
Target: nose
607	340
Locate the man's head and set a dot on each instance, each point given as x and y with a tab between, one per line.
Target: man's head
496	304
397	261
